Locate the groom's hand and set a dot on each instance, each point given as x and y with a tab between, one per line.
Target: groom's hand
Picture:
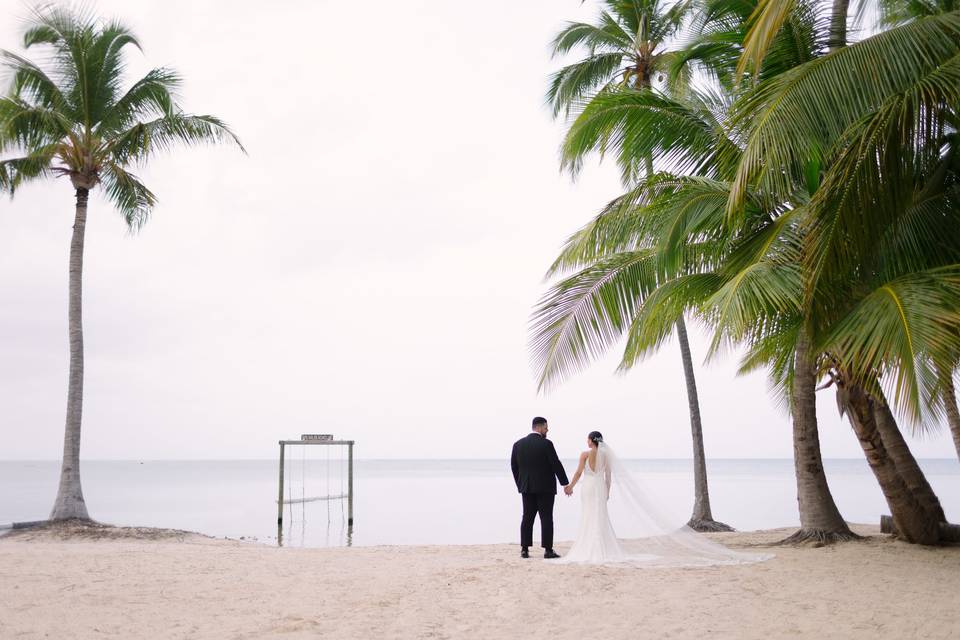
568	490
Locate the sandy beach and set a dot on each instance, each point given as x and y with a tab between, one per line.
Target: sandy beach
151	584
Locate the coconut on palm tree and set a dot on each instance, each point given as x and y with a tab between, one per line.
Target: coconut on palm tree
74	116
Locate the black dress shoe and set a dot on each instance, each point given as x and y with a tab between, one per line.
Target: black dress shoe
550	554
524	553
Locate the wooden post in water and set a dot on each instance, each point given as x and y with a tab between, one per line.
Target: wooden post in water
350	484
280	496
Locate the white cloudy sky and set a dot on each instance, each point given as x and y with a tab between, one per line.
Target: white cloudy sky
367	270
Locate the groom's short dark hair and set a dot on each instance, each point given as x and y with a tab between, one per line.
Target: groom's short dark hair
539	422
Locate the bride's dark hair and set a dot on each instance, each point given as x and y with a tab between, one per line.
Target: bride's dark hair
595	437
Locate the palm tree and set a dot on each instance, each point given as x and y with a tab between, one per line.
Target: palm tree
894	13
626	48
71	117
880	252
639	126
792	268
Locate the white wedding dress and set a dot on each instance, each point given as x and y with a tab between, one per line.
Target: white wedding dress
654	543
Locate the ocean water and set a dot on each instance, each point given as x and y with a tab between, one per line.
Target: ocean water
418	501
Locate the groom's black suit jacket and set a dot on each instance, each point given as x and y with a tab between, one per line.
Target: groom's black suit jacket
536	467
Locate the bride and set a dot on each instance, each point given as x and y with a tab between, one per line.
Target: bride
658	543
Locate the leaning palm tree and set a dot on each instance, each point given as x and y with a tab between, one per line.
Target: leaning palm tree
627	48
71	117
881	115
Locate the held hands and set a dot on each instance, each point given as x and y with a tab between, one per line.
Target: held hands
568	490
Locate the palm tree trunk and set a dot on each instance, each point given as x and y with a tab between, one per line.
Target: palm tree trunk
906	464
838	24
913	522
950	407
702	518
820	520
69	502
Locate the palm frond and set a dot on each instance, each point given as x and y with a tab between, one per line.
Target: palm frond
585	314
897	329
31	84
572	83
128	194
639	125
660	311
873	181
150	97
608	36
16	171
812	106
765	23
145	139
26	126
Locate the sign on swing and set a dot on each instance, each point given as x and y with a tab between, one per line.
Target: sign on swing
322	437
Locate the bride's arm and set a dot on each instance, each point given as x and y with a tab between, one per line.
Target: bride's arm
576	476
607	479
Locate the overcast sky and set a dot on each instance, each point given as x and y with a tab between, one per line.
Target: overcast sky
368	270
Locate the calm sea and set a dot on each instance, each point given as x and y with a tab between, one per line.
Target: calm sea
417	501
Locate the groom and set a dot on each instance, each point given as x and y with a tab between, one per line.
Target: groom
535	463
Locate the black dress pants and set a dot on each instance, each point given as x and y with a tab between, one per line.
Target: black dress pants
537	504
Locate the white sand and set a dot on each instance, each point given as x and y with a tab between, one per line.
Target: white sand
194	587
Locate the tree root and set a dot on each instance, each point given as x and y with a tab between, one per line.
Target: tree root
819	537
85	529
708	526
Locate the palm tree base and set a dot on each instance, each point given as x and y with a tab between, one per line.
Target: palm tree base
708	525
819	537
68	518
69	507
948	532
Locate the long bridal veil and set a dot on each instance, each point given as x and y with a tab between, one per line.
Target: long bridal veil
648	536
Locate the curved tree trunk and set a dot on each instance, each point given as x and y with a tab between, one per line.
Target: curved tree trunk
820	520
702	518
906	464
950	408
913	521
69	502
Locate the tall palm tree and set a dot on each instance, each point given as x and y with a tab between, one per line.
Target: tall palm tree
73	117
793	269
639	126
627	48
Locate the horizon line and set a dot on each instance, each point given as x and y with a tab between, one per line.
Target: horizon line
366	459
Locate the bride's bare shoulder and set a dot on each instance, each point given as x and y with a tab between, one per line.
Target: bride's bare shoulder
584	455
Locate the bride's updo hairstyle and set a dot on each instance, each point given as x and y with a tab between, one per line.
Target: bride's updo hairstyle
595	437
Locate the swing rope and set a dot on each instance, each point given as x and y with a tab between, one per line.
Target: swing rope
328	483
